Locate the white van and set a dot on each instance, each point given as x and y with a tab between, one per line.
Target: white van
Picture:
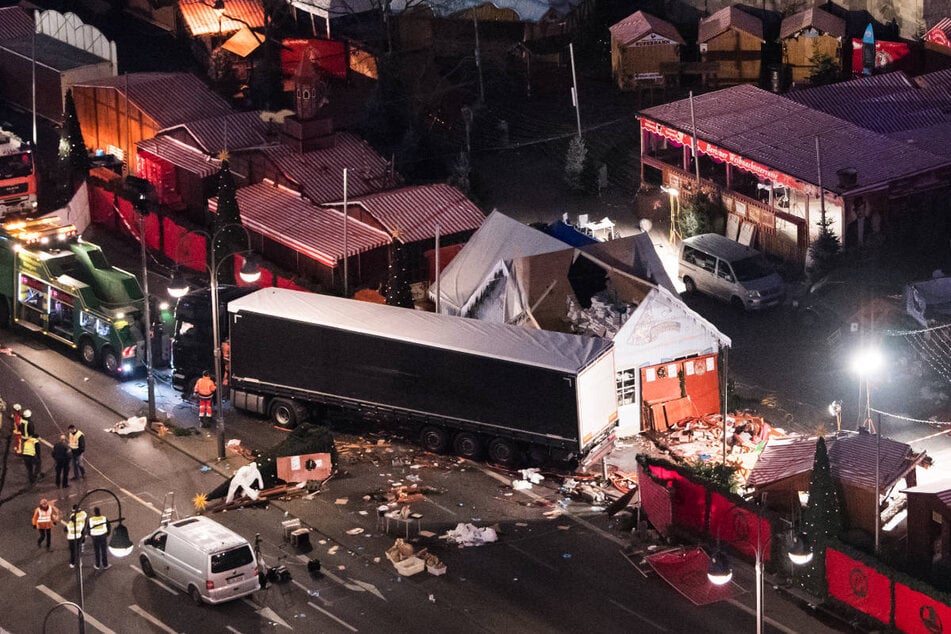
210	562
725	269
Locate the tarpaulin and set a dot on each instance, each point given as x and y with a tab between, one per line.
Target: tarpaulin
686	571
737	526
331	56
655	500
689	499
861	586
889	56
917	613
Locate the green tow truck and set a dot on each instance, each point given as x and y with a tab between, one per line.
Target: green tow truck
55	284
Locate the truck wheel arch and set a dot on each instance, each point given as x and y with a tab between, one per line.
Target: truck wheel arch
111	362
88	352
286	413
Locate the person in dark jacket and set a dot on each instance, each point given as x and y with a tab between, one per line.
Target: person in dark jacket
61	457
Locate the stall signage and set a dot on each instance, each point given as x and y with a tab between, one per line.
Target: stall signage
725	156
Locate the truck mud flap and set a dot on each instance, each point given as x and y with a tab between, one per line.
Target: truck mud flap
598	452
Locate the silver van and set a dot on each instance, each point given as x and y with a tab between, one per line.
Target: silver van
210	562
725	269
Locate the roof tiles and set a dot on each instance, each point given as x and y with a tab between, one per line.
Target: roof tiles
727	18
200	17
229	132
822	21
411	214
639	24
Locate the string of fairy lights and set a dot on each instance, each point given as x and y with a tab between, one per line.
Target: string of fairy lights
933	346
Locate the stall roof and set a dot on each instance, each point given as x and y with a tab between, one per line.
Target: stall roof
231	132
320	172
200	17
168	98
526	10
334	8
244	42
51	53
940	489
15	22
499	238
727	18
635	26
411	214
283	216
556	351
822	21
180	155
769	129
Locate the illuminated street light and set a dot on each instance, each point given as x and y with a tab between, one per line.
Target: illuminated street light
250	273
835	409
866	364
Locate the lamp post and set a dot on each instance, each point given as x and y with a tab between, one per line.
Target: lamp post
141	193
250	273
674	194
219	8
119	546
69	604
720	572
866	364
835	409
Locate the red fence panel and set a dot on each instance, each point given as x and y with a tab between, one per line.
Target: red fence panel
656	500
917	613
737	526
861	586
689	498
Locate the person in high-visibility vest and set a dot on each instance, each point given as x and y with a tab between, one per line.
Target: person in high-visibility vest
44	517
31	458
205	389
77	445
99	529
75	532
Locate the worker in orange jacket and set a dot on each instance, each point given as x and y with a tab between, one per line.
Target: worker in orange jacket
205	388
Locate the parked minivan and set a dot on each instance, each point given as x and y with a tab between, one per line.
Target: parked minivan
210	562
725	269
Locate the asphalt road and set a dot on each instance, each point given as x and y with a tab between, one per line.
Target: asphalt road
545	574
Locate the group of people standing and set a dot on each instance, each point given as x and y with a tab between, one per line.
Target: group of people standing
76	526
69	449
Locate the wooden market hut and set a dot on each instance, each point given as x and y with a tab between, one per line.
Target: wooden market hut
809	33
640	44
929	523
733	39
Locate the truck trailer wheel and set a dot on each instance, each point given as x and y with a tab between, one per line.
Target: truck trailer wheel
287	413
502	451
468	445
4	313
434	439
87	352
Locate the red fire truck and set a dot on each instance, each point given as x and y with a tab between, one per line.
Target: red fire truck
17	175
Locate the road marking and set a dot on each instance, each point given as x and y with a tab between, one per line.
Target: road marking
779	626
151	619
6	564
144	503
653	624
323	611
532	558
266	613
579	520
354	585
86	618
168	589
231	629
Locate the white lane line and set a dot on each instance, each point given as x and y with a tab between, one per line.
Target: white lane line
151	619
532	558
343	623
231	629
141	501
779	626
168	589
653	624
87	619
16	571
579	520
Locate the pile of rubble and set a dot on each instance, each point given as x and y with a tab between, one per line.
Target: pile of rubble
603	319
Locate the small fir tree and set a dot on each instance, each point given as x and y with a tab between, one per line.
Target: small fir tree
825	70
78	153
226	229
821	521
575	164
824	250
398	292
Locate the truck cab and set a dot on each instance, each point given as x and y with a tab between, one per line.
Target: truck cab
55	284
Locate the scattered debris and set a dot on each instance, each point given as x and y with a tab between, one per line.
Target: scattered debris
131	425
341	501
470	535
355	531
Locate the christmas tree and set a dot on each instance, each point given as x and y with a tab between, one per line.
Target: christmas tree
397	281
229	235
821	520
78	155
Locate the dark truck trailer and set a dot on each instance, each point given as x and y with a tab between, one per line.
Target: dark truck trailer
464	384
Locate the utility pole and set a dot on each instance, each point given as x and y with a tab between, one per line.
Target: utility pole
346	276
574	87
478	60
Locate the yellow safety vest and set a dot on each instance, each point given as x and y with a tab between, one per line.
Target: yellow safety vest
74	439
98	525
74	525
29	446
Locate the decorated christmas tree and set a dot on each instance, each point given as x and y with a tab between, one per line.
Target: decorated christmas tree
821	520
78	154
397	281
229	236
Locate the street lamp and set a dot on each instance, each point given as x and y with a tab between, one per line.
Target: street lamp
721	573
67	604
866	364
219	8
250	273
119	546
141	192
835	409
674	210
